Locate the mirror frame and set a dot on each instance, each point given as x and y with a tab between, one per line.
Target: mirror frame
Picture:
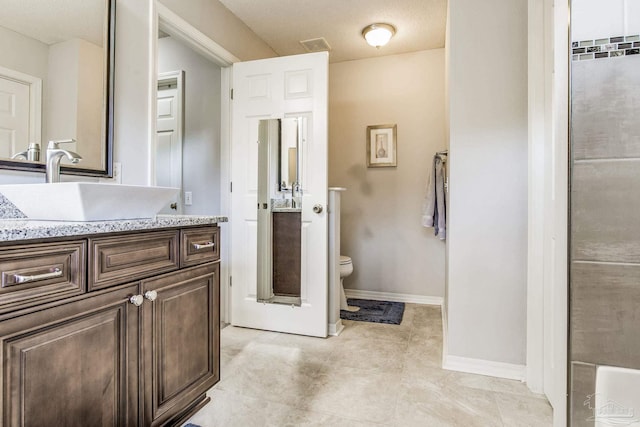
107	171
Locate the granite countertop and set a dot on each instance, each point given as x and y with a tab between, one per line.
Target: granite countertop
13	229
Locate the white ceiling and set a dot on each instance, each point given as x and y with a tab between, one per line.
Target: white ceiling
282	24
55	21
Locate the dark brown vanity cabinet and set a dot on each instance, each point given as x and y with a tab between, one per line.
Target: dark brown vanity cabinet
141	353
74	364
181	341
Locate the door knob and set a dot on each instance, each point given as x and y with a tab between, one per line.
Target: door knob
317	209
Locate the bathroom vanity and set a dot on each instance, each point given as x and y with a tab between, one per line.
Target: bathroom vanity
108	323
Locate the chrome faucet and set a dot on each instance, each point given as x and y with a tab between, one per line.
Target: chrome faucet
54	155
31	154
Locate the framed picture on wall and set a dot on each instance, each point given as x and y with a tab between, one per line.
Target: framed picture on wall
381	146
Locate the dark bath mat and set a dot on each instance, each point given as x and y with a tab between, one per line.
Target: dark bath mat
374	311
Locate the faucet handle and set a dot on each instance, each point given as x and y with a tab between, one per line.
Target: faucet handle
54	144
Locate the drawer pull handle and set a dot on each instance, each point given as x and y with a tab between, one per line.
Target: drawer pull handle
26	279
136	300
151	295
198	246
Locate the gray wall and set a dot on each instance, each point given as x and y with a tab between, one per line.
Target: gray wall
381	209
201	138
487	224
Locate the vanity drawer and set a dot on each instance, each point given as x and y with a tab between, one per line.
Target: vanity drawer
123	259
40	273
199	245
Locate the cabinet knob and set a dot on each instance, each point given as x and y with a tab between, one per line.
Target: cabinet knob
136	300
151	295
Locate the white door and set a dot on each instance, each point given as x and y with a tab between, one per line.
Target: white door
14	117
294	86
168	164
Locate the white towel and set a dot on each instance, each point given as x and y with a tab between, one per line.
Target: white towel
434	207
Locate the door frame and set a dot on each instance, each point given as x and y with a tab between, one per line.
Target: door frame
181	30
35	100
547	276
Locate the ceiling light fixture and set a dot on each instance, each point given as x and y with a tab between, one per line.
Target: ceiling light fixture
378	34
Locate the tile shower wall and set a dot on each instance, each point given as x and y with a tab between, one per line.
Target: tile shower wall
608	47
605	225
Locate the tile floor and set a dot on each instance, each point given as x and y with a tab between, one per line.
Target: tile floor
370	375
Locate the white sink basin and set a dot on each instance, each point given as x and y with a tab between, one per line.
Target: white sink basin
87	201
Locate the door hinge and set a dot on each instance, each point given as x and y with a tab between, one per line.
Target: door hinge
231	187
230	281
232	94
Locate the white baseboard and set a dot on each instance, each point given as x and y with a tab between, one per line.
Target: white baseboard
390	296
445	333
485	367
334	329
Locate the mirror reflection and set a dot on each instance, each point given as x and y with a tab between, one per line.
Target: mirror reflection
53	80
280	210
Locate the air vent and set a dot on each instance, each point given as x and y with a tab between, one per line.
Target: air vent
316	45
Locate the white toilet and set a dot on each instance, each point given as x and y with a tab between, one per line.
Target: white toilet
346	268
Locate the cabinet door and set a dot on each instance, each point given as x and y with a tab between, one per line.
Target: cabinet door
75	364
181	342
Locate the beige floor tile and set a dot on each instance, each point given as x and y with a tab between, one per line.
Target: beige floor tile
379	331
524	411
270	372
513	387
291	417
358	394
228	409
423	352
371	355
437	405
370	375
424	312
425	377
462	379
429	329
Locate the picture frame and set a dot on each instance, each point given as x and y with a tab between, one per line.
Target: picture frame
381	146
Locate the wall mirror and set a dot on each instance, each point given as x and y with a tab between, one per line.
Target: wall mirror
280	210
56	82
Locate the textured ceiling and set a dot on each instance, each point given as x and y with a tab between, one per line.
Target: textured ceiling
54	21
282	24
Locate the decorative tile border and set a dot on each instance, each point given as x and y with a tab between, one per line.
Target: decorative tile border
611	47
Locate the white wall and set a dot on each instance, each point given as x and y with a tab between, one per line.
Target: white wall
592	19
134	91
74	94
23	54
216	21
28	56
487	229
381	209
91	109
201	141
